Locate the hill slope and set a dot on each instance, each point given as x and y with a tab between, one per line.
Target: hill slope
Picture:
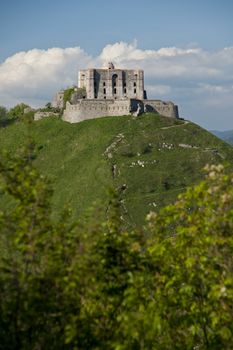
224	135
150	159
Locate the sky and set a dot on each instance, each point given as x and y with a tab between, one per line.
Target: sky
184	46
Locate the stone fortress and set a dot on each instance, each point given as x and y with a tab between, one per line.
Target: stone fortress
110	92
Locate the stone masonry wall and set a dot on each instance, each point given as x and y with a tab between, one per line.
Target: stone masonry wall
112	83
167	109
40	115
90	109
58	101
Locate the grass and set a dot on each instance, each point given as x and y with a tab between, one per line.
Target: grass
155	157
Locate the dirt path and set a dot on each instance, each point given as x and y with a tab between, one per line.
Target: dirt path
175	126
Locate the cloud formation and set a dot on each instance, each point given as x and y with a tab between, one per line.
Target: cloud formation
36	74
190	76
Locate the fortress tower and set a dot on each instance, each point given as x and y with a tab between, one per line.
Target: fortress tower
112	83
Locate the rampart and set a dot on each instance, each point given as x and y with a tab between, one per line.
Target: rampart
89	109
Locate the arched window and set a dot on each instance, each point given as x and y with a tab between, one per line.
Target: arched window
114	83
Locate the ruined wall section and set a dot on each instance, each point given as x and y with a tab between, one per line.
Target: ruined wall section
167	109
58	101
90	109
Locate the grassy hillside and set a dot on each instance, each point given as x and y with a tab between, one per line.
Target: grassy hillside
150	159
224	135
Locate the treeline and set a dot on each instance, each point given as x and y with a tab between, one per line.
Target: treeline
96	285
22	112
13	114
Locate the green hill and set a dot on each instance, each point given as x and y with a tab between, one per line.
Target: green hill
224	135
150	159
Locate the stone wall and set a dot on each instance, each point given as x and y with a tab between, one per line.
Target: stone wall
58	101
90	109
167	109
40	115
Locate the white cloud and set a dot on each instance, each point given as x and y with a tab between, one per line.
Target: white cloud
188	76
36	74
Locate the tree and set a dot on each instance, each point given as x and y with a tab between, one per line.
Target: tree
3	112
17	111
62	285
95	285
187	300
112	256
35	257
3	115
48	105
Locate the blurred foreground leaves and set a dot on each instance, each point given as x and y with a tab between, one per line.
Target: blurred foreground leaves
95	285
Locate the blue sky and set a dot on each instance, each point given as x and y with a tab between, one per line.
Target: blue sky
181	45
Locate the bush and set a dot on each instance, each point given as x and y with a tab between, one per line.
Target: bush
67	95
17	112
3	115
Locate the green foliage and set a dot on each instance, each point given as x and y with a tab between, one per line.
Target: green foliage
110	257
226	136
97	285
3	113
80	92
54	276
48	105
17	112
34	264
49	108
3	116
191	252
75	93
67	95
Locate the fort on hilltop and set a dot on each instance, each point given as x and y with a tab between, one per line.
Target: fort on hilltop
111	92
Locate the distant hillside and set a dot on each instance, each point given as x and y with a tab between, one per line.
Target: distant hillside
224	135
150	159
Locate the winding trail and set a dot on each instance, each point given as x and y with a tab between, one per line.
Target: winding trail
175	126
